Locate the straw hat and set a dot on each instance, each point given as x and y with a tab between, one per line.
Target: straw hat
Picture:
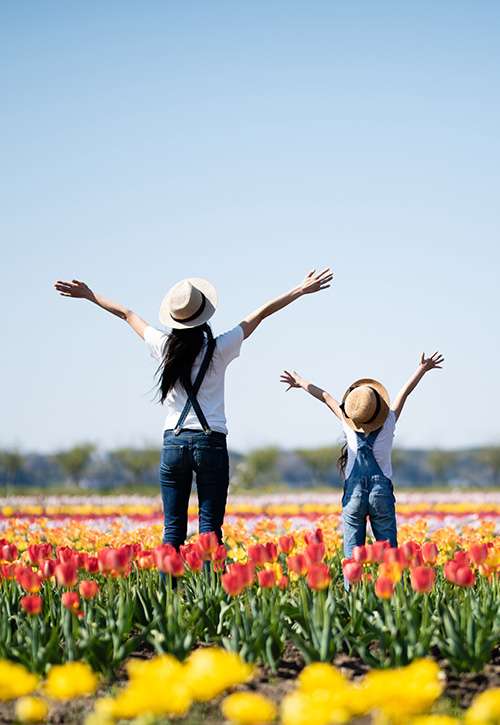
190	303
365	405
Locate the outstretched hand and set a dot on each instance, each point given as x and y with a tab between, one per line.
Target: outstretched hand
292	379
316	281
75	288
432	362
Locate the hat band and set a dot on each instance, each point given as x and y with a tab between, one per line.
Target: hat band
378	405
196	314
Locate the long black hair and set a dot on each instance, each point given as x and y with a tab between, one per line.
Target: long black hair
179	353
342	460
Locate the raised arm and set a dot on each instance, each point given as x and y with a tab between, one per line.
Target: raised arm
79	290
313	282
294	380
426	364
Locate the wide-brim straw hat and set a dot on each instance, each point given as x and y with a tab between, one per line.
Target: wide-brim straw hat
365	405
189	303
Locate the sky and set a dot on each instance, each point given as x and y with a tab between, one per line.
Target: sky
248	142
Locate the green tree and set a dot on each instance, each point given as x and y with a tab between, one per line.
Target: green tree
137	461
322	462
490	457
11	464
74	461
258	468
440	462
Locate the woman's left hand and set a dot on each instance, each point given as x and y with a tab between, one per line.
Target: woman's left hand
316	281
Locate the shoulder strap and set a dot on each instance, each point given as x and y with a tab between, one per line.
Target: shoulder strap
192	391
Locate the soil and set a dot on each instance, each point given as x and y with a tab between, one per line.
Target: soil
459	691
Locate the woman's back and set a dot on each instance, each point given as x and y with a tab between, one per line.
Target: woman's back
211	393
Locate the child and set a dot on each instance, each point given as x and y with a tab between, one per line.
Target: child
368	420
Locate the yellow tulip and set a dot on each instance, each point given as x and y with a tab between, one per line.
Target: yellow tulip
31	709
248	708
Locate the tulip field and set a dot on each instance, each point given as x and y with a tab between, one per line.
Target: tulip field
100	623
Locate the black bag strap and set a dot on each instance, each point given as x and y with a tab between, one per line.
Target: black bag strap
192	392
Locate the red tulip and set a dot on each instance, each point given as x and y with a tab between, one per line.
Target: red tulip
193	560
92	565
353	571
232	582
450	570
318	576
66	574
32	604
478	553
283	582
207	544
266	578
384	587
376	550
220	553
411	551
88	588
258	554
71	601
396	555
8	552
38	552
65	553
422	579
245	571
461	558
465	577
29	580
172	564
360	554
7	571
286	543
47	567
314	537
145	560
430	552
115	561
272	550
315	553
297	563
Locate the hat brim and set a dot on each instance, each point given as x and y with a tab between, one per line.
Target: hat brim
381	417
211	300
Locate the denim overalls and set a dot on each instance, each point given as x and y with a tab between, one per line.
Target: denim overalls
367	493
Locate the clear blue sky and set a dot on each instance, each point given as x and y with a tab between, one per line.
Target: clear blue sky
246	142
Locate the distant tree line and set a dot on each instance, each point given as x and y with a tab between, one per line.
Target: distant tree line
85	466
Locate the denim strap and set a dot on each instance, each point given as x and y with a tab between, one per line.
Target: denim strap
192	392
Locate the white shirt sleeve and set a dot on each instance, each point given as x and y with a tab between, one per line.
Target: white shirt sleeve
155	341
229	344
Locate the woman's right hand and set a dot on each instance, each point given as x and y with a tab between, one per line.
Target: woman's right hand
75	288
292	379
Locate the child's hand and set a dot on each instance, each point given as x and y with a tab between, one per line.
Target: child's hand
293	379
429	363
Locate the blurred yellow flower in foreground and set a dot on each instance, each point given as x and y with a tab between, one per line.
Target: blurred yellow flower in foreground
31	709
211	670
248	708
321	676
15	680
485	709
73	679
435	720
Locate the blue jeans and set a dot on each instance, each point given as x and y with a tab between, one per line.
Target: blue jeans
207	456
368	497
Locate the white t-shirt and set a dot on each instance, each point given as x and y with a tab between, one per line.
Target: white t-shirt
211	393
382	448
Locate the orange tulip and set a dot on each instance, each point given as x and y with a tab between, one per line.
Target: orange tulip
88	588
71	601
384	587
430	552
286	543
66	574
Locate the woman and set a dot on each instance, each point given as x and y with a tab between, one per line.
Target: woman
369	421
191	386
